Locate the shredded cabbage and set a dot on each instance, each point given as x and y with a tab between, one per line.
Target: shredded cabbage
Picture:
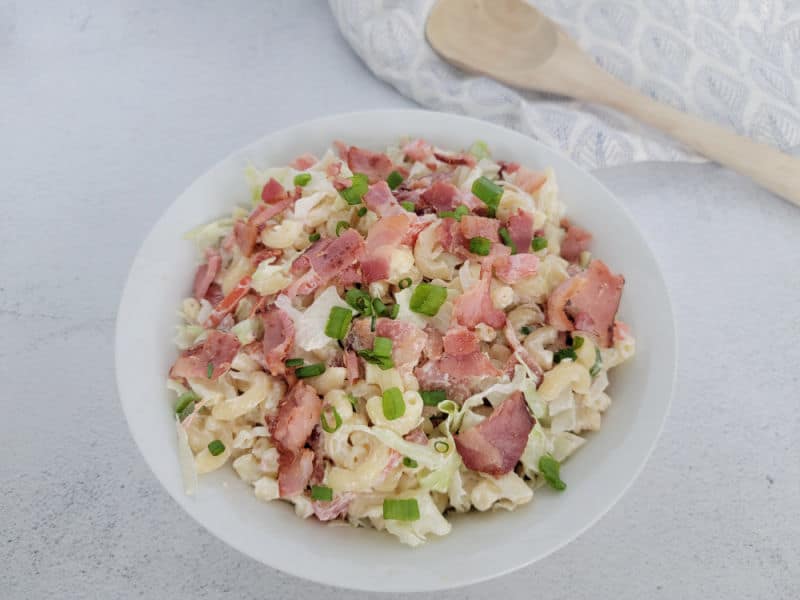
186	460
424	455
208	235
187	336
310	324
248	331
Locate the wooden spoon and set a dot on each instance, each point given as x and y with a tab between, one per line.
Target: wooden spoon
514	43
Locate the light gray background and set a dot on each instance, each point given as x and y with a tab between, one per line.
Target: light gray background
109	109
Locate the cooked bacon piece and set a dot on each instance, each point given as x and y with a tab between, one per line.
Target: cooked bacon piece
264	212
375	165
278	339
460	340
621	331
475	305
451	238
316	445
441	196
382	240
474	364
246	235
434	344
264	254
304	161
206	273
528	180
590	298
431	377
298	414
255	350
520	230
294	472
323	260
408	340
351	275
214	294
217	350
351	364
495	445
416	436
380	200
327	511
521	353
420	151
507	167
455	158
515	268
472	226
576	241
360	336
273	192
228	303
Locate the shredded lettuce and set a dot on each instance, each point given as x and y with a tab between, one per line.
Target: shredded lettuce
310	323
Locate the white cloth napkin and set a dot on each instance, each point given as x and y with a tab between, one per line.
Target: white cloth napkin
736	62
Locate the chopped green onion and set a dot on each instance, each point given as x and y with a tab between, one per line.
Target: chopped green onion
302	179
433	397
294	362
480	246
359	300
441	446
394	180
405	282
409	206
185	400
564	353
400	509
314	237
337	419
358	187
341	226
382	346
210	370
525	330
216	448
394	311
539	243
187	410
362	211
427	299
577	342
488	192
378	307
321	492
393	405
506	237
549	468
456	214
310	370
353	401
598	363
383	362
410	463
338	322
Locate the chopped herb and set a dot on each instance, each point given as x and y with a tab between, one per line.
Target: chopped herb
393	405
210	370
539	243
410	463
409	206
185	400
302	179
394	180
488	192
506	237
294	362
310	370
427	299
400	509
321	492
549	468
405	282
362	211
480	246
359	184
314	237
216	448
598	363
337	419
564	353
433	397
525	330
577	342
341	226
338	322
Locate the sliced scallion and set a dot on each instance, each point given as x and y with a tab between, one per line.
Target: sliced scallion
550	469
310	370
382	346
314	237
564	354
338	322
209	370
598	363
488	192
216	448
359	185
539	243
410	463
427	299
506	237
359	300
577	342
393	405
397	509
404	283
394	180
362	211
337	419
294	362
321	492
525	330
393	311
480	246
185	400
441	446
409	206
433	397
302	179
341	226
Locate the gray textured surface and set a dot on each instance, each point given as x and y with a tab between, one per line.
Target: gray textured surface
108	112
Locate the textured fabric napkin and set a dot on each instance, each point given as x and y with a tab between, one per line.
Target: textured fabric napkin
736	62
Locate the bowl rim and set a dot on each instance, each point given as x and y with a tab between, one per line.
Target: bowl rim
468	579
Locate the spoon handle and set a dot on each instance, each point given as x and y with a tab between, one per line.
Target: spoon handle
773	169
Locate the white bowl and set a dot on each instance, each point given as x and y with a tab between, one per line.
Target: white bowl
480	546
